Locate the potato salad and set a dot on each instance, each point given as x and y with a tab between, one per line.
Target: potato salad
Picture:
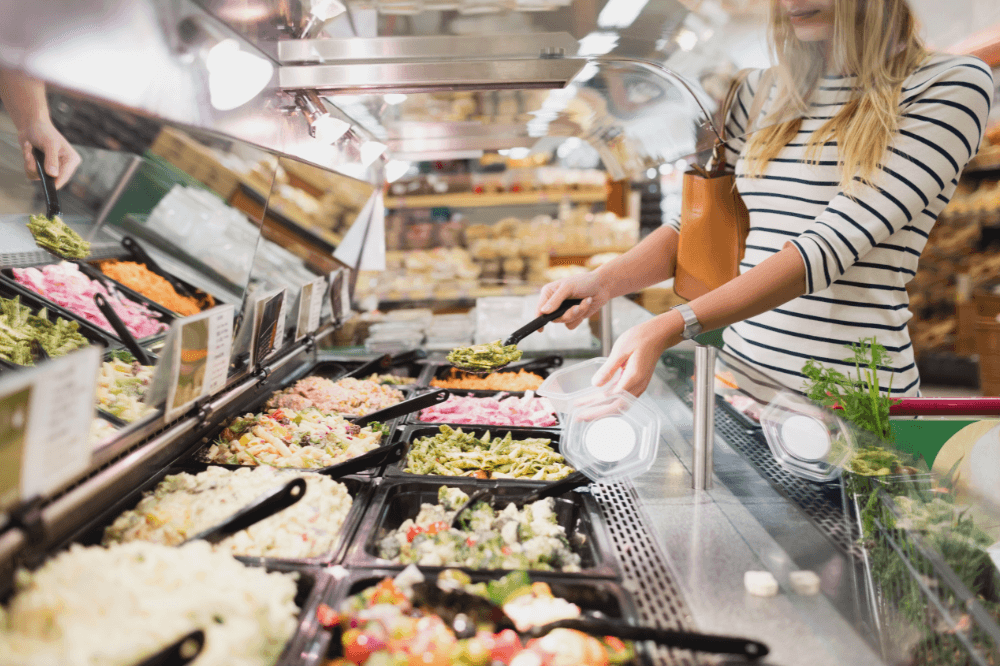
183	505
526	538
305	439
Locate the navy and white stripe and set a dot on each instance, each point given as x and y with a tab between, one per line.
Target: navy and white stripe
859	250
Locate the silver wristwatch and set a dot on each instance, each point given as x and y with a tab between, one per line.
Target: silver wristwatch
692	326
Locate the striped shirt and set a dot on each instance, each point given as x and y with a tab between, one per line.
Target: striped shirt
858	252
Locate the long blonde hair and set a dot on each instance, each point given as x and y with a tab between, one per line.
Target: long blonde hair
876	41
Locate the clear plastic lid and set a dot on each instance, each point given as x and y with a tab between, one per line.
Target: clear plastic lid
568	385
610	437
807	440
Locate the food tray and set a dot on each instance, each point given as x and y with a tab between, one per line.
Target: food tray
741	419
391	446
10	289
165	315
441	370
198	293
358	487
337	367
395	500
590	595
414	418
412	432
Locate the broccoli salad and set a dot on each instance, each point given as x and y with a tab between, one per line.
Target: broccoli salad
526	538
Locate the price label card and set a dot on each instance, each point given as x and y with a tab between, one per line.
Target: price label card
198	349
269	325
45	417
310	307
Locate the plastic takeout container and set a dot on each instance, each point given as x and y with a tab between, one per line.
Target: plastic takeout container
807	440
611	436
574	383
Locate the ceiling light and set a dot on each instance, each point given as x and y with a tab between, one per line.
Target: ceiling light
234	76
686	39
620	13
598	43
322	126
395	169
392	99
371	151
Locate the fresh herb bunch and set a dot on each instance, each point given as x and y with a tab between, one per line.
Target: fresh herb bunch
860	397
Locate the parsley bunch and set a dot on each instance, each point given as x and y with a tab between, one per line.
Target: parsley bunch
860	397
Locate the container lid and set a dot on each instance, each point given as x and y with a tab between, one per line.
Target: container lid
573	383
611	436
807	440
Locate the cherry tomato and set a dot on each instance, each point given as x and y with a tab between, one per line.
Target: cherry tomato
439	526
413	532
471	541
355	651
505	550
327	616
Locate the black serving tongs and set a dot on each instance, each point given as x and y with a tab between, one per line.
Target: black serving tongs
554	489
525	331
140	354
373	366
263	507
462	611
52	208
382	454
178	653
142	257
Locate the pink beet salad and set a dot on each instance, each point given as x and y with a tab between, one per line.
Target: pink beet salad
529	411
64	284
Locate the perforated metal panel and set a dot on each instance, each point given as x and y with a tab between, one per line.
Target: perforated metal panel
644	572
103	250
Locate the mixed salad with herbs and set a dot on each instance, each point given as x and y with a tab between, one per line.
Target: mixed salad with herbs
389	624
484	357
52	234
526	538
307	438
453	452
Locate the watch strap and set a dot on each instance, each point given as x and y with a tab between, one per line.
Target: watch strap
692	327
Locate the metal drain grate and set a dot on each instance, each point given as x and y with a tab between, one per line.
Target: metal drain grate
822	503
645	574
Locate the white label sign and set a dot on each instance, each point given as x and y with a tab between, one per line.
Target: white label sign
310	306
45	417
199	357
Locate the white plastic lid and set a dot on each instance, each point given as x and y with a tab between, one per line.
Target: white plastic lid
570	384
806	440
609	437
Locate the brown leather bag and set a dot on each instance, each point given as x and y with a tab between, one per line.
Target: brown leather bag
714	221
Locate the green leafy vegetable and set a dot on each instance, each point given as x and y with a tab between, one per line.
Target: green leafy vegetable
859	396
484	357
52	234
18	327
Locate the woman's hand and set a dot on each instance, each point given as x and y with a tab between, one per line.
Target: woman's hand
637	351
587	286
61	159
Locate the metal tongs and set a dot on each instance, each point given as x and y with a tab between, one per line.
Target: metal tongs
525	331
554	489
463	611
263	507
385	362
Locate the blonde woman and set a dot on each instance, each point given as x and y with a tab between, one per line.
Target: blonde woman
841	199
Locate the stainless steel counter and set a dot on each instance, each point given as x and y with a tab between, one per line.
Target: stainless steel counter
710	538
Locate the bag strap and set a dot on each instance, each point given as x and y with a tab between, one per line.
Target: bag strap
719	151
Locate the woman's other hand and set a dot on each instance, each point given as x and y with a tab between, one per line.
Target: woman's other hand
637	351
588	287
61	159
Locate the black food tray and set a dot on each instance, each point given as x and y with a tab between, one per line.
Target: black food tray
195	291
590	595
414	418
164	315
10	289
396	500
359	489
441	371
412	432
338	367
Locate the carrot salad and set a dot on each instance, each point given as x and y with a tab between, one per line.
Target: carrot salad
496	381
154	287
